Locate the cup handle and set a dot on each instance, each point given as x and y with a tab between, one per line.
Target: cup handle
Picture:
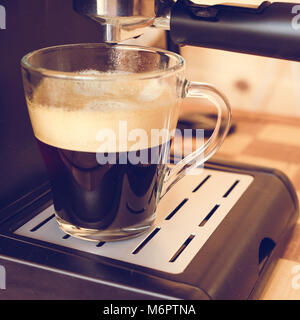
198	157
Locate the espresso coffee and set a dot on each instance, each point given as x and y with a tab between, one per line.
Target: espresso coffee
100	196
80	123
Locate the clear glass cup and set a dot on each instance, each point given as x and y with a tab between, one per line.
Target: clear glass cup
104	118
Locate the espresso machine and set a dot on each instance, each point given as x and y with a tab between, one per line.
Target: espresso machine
217	235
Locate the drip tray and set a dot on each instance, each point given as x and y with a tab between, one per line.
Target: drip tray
186	218
217	235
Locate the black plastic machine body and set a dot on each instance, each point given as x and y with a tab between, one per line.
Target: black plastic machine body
237	218
218	236
271	29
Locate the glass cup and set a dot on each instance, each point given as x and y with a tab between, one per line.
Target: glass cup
104	118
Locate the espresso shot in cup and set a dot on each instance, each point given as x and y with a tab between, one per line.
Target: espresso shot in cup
104	117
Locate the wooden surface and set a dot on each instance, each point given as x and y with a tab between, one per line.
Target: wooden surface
272	141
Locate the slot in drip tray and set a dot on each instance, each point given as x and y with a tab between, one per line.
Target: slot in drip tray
186	217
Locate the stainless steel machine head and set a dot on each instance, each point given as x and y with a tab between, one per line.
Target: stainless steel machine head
124	19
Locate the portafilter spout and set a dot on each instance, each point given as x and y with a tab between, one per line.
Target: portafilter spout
120	19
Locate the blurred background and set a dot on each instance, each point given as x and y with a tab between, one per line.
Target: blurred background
251	83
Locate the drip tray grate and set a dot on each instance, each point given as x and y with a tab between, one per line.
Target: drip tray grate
186	218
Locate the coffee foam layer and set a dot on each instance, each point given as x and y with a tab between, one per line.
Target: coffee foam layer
103	116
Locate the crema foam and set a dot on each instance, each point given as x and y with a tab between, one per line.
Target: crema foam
122	114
